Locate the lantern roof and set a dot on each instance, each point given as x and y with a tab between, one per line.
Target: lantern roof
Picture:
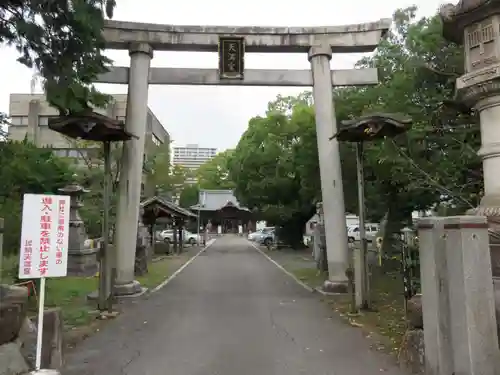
373	126
456	17
91	126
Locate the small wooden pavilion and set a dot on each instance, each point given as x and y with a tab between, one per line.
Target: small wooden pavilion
157	207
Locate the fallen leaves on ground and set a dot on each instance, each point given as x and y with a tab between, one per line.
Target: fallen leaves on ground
355	324
386	322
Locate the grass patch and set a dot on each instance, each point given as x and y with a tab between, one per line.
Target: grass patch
301	264
310	276
70	293
162	269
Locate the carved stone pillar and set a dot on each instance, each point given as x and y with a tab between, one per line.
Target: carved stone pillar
82	260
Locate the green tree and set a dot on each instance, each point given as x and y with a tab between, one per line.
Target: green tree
159	167
163	176
275	166
178	177
89	172
26	169
61	40
214	174
3	126
189	196
436	161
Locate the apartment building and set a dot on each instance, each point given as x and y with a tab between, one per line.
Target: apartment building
29	115
192	156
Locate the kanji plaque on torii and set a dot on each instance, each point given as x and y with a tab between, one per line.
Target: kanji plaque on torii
231	57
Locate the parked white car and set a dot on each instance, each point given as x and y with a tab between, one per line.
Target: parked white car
188	237
371	230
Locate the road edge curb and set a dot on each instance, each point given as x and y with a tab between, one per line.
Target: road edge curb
288	273
181	268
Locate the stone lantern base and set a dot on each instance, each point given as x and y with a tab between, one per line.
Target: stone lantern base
83	262
131	289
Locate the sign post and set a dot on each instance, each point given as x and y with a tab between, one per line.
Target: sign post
44	247
201	203
39	332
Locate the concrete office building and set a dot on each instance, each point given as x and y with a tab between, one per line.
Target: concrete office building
29	115
191	157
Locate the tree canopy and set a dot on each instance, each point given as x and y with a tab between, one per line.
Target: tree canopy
437	159
214	174
275	164
163	177
189	195
26	169
62	41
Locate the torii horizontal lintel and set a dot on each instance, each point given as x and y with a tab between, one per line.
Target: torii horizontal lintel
355	38
253	77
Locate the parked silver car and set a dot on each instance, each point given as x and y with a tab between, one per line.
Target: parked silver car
266	238
252	236
257	236
188	237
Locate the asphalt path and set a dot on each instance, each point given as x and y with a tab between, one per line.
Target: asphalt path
230	312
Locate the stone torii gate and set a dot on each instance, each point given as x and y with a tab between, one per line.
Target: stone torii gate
141	39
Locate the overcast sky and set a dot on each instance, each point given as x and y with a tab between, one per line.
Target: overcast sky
217	116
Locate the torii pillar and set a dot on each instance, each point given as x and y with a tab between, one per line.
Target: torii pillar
129	188
332	190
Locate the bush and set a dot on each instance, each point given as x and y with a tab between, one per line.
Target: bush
11	211
9	269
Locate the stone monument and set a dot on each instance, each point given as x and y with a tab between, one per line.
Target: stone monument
82	260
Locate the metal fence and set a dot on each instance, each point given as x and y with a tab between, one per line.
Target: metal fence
404	257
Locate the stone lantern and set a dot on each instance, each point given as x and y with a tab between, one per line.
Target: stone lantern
475	24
